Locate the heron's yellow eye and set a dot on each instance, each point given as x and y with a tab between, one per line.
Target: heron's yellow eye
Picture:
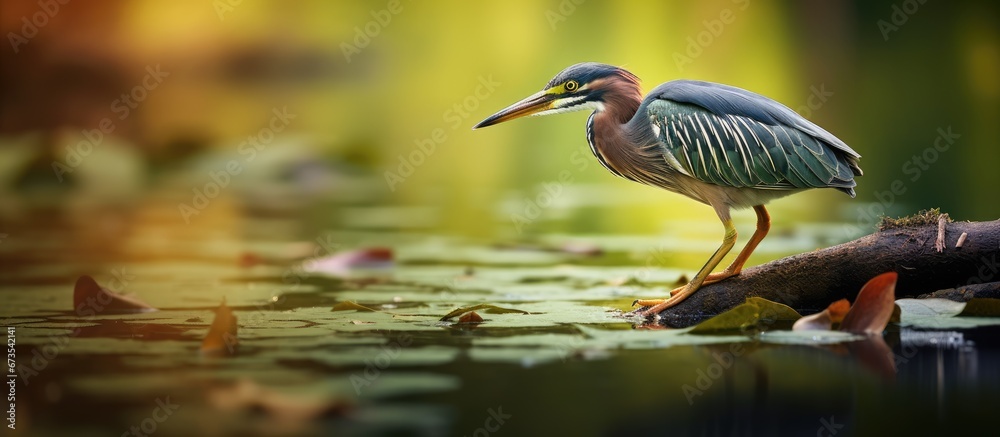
571	86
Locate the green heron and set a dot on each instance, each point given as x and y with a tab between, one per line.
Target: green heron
720	145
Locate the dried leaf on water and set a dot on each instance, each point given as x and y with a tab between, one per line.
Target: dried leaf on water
345	264
90	299
471	317
820	321
873	307
222	338
823	320
250	259
838	310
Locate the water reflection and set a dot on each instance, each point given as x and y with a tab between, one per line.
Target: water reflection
912	380
835	390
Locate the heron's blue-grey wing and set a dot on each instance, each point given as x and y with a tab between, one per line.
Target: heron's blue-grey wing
732	137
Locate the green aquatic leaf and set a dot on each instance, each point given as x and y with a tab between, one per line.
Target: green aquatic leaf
754	314
351	306
524	356
402	383
542	279
808	337
939	314
650	339
358	321
547	340
910	308
394	353
950	322
120	346
486	308
981	307
545	314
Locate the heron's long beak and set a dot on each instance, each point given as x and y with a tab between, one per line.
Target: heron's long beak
530	105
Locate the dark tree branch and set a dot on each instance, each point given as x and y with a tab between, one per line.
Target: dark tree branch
811	281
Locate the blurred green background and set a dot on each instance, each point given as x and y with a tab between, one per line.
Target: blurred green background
368	82
232	127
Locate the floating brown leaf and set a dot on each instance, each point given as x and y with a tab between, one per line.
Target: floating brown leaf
823	320
820	321
838	310
250	259
343	263
487	308
221	338
91	299
873	307
351	305
471	317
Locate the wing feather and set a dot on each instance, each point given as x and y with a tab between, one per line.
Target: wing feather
732	137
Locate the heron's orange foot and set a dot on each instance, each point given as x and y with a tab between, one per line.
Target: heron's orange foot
677	295
653	302
648	302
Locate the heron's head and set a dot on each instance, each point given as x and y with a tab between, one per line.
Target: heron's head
582	86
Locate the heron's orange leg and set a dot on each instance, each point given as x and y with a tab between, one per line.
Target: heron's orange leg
727	244
703	278
763	226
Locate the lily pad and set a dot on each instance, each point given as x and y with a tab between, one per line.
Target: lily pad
391	355
351	306
914	308
981	307
486	308
939	314
650	339
754	314
811	337
523	356
547	314
355	321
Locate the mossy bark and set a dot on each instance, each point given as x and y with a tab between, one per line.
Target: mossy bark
809	282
